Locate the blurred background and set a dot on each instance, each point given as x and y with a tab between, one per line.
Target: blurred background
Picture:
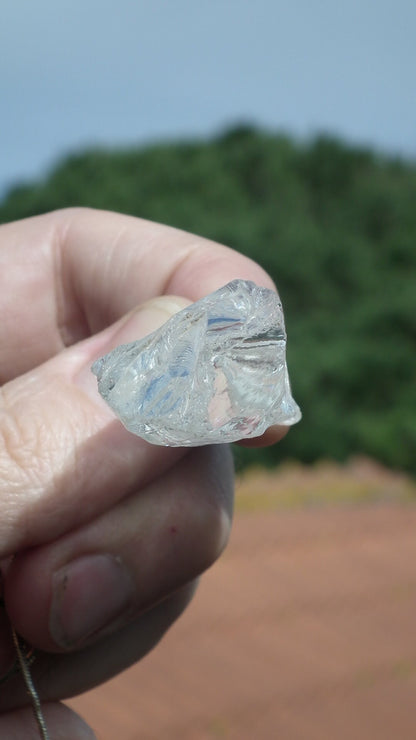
288	132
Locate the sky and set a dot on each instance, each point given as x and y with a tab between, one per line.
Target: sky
75	73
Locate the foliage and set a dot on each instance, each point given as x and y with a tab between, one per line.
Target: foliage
336	228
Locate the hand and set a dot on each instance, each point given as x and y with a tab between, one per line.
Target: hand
108	533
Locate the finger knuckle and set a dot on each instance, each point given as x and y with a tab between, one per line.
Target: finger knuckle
21	460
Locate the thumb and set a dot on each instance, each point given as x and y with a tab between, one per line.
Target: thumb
61	721
64	458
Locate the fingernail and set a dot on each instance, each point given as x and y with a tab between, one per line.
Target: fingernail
142	321
89	595
148	317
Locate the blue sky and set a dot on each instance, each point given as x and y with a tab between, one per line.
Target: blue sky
81	72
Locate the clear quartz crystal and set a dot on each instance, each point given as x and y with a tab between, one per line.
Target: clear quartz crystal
215	372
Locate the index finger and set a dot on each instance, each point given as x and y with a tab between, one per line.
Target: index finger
73	272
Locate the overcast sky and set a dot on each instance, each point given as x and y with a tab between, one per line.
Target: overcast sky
80	72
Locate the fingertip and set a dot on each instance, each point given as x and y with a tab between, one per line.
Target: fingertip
271	436
62	724
138	323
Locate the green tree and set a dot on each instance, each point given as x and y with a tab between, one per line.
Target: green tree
335	225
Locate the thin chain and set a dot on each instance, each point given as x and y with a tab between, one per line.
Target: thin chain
33	694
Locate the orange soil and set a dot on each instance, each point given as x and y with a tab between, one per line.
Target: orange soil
304	630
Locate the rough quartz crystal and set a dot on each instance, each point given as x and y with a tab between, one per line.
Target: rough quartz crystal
215	372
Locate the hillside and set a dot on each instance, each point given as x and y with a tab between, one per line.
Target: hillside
336	228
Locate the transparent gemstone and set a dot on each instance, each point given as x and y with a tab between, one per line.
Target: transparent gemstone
215	372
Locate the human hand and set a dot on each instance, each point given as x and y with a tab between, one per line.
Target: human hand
108	533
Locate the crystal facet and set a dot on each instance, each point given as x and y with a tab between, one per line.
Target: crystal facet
214	372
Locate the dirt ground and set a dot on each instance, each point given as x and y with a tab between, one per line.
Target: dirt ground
304	630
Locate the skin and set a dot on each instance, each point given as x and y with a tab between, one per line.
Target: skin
87	510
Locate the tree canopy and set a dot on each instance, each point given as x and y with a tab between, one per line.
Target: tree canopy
335	225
